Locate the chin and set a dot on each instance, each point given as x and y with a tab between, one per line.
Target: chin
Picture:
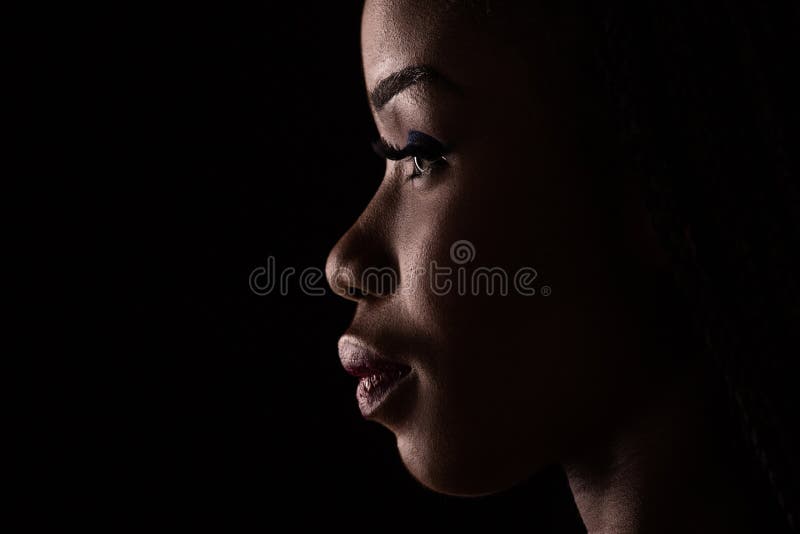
458	471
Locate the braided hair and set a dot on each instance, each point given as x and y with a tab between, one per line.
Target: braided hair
707	109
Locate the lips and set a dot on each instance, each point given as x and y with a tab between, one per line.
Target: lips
379	377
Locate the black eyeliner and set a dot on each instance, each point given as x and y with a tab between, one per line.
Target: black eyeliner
418	145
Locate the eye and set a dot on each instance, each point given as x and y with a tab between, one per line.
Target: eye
424	166
425	152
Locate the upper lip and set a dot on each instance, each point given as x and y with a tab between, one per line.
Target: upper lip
360	360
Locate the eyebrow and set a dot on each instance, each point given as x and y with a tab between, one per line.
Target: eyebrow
401	80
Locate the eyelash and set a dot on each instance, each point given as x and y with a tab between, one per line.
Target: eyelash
417	151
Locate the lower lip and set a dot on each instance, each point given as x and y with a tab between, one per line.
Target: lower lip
375	390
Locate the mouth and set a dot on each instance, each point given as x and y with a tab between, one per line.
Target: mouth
380	378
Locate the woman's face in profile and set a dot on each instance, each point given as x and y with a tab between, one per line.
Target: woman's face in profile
493	168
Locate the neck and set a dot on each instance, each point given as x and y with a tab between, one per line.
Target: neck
672	469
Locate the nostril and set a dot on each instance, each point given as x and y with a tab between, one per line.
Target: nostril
362	264
358	284
356	293
341	281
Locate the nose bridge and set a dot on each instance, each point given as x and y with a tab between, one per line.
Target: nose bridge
367	245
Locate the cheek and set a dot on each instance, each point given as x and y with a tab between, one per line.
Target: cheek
488	402
489	348
505	218
467	238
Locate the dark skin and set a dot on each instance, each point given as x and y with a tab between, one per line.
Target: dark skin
597	376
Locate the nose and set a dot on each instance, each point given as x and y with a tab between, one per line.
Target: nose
362	264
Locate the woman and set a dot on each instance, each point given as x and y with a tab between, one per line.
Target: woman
631	160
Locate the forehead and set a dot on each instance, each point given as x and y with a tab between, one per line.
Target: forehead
399	33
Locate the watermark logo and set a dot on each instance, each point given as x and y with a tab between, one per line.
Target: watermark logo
463	279
462	252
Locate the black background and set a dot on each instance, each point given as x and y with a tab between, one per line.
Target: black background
200	142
